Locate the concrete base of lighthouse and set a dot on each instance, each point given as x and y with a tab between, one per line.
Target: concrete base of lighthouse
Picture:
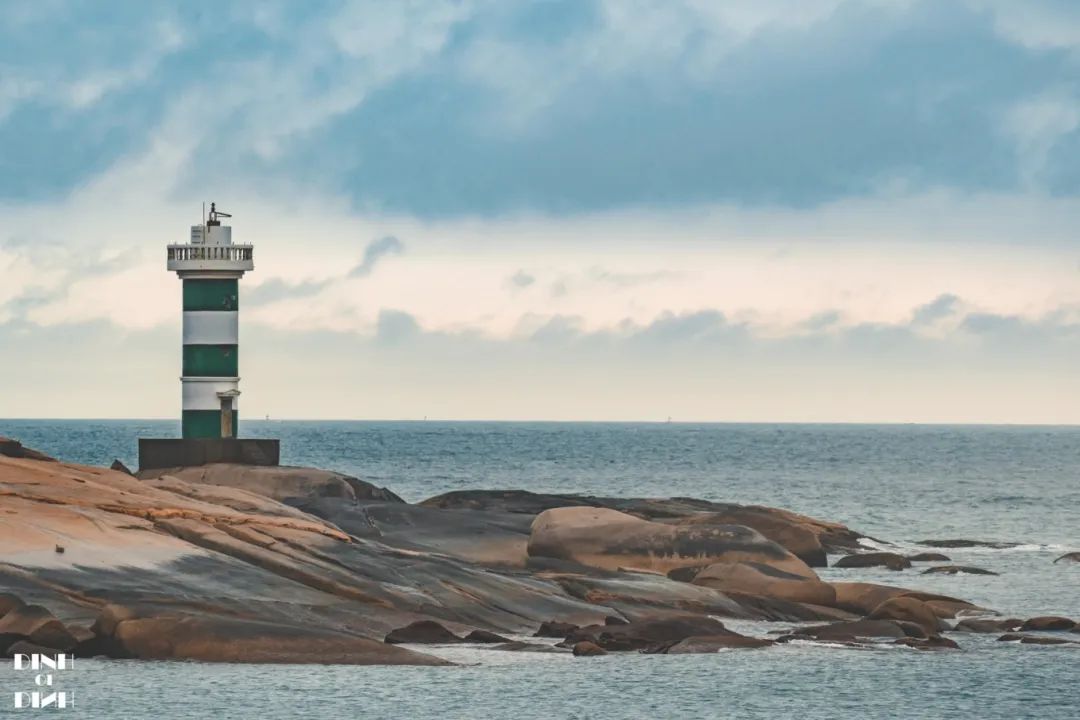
157	453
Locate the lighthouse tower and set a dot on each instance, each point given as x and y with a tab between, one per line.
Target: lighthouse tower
210	267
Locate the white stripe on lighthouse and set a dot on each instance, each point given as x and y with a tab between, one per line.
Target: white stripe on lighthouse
201	394
211	327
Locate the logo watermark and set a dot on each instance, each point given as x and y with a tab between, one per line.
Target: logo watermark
45	669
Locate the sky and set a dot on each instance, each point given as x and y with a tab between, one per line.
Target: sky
754	210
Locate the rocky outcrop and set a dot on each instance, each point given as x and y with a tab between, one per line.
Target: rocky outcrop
957	570
646	634
929	557
807	538
234	564
888	560
909	609
1069	557
281	483
586	648
425	632
964	543
861	629
986	625
864	598
765	580
15	449
699	644
609	539
1048	623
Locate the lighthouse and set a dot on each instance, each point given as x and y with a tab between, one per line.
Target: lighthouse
209	266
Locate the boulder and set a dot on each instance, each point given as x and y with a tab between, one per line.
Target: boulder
862	629
806	537
646	633
759	579
1047	623
863	598
1069	557
554	629
929	557
964	543
9	602
37	625
226	639
610	539
1040	640
586	648
15	449
892	561
427	632
121	467
519	646
936	642
957	570
909	609
483	636
698	644
25	647
984	625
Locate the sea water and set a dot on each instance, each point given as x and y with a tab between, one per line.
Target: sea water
897	483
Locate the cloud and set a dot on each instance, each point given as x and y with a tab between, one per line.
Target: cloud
940	308
465	109
521	279
276	289
374	253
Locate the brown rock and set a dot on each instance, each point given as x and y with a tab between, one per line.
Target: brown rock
25	647
586	648
121	467
37	625
862	629
610	539
976	625
929	557
760	579
715	643
220	639
1037	640
892	561
555	629
1048	623
483	636
647	633
936	642
279	482
15	449
956	570
863	598
9	602
909	609
426	632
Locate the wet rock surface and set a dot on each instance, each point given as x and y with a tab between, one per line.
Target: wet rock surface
957	570
228	563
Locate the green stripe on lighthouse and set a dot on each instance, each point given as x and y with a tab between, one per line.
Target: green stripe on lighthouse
211	361
212	294
204	423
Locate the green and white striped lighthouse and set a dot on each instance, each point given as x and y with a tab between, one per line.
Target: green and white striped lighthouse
210	267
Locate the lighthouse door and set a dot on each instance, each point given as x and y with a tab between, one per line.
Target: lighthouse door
226	417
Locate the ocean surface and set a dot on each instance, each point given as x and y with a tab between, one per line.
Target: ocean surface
900	484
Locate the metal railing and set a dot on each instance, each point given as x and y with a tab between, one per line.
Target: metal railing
233	253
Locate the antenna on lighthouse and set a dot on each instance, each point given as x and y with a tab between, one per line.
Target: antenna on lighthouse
215	214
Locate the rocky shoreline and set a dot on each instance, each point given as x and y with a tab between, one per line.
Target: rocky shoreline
227	563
